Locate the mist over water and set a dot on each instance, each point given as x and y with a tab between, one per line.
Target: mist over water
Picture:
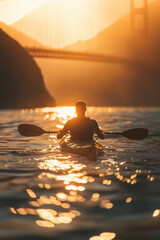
46	194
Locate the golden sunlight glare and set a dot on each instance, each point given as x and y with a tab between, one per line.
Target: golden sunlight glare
17	9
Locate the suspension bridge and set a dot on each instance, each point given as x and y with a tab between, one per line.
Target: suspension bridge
51	52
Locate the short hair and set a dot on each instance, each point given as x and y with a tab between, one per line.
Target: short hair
81	104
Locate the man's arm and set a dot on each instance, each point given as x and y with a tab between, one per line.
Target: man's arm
98	131
63	132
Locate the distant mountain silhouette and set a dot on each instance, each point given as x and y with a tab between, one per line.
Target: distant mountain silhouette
22	38
21	81
113	40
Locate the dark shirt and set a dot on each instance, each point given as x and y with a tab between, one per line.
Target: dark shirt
82	128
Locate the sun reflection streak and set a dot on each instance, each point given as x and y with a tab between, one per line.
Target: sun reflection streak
47	224
106	204
63	114
73	175
59	169
57	207
156	213
31	193
104	236
128	200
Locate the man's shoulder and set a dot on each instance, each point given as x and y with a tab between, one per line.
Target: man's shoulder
71	121
93	121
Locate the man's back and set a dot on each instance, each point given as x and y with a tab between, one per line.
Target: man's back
81	128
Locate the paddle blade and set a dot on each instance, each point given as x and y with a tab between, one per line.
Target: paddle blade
29	130
136	133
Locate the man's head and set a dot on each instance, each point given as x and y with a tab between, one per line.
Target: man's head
80	107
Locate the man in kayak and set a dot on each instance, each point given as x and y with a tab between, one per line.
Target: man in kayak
81	127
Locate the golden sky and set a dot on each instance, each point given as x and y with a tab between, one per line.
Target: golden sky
13	10
58	23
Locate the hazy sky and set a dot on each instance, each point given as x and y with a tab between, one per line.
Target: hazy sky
58	23
13	10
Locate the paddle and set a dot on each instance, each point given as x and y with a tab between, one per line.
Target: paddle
29	130
134	134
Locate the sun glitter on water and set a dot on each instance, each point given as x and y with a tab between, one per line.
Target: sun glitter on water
65	112
62	114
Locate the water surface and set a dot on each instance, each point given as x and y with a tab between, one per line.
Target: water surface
47	194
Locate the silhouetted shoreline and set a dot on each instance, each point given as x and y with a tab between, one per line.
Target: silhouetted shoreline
21	81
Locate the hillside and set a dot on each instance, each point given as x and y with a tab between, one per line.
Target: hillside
113	40
21	81
22	38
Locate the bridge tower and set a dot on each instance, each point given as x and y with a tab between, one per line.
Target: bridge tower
139	12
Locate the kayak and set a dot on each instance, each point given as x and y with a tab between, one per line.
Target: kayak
91	149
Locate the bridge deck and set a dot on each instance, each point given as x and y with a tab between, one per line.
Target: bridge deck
72	55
